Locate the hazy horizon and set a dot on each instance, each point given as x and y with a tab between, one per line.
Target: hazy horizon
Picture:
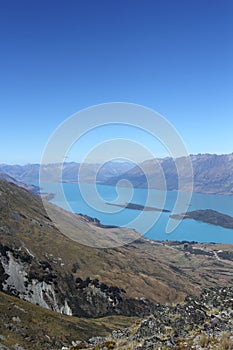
116	161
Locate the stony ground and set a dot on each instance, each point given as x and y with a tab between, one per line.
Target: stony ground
198	323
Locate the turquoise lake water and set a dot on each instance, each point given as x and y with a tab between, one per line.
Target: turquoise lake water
188	229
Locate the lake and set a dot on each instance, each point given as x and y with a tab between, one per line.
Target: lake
188	229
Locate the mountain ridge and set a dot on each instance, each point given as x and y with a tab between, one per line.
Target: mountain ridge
212	173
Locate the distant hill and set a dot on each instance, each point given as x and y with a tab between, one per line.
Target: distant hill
211	174
30	172
30	188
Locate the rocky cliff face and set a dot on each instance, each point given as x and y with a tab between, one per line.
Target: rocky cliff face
30	279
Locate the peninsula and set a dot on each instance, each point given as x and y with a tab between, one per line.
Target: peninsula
208	216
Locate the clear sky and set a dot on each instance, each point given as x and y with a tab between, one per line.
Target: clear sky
60	56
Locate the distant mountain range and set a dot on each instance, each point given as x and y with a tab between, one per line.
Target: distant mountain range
30	172
211	173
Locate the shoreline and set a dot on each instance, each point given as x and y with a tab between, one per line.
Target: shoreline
97	222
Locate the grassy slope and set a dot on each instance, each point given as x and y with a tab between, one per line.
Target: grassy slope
153	270
142	273
35	328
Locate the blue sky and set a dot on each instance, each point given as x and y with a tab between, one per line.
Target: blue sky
58	57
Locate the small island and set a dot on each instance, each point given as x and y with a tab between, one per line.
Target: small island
138	207
208	216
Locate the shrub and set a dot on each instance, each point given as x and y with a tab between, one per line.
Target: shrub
204	340
226	342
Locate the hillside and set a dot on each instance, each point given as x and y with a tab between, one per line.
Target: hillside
30	188
201	323
27	326
211	174
43	266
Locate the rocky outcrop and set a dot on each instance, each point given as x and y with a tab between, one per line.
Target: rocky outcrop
95	299
202	323
38	282
30	279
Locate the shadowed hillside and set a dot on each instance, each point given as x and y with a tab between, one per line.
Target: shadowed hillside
27	326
